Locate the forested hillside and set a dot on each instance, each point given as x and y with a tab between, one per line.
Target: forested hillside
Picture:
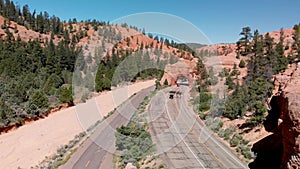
235	93
260	57
44	61
265	58
33	73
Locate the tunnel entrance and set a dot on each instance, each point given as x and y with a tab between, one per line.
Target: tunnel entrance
182	81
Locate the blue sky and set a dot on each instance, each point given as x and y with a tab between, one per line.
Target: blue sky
220	20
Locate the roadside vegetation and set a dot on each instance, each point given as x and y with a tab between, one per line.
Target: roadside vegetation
134	140
62	154
232	136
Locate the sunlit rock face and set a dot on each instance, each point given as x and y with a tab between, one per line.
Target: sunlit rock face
287	105
181	69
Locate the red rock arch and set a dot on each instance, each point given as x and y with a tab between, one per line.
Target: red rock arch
178	70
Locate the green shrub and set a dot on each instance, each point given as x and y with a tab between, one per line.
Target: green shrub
216	124
208	120
204	101
245	151
202	115
229	82
228	132
235	140
161	166
66	95
221	133
242	64
134	141
224	73
245	142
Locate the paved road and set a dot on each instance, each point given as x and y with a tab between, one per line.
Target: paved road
97	151
182	141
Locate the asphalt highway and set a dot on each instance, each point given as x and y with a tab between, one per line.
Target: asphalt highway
97	151
182	141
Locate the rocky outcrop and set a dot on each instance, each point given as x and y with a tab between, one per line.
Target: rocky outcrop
24	33
284	116
218	49
130	166
182	68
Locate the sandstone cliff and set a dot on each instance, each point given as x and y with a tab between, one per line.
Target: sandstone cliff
284	116
182	68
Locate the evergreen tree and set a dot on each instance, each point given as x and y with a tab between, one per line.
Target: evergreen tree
99	80
244	42
1	7
296	37
66	95
242	64
282	61
166	83
39	99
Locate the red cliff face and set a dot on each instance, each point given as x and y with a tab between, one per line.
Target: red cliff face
286	104
182	68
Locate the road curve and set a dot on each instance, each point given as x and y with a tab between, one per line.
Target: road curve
181	140
97	151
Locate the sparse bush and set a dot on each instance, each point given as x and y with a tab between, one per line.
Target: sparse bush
225	72
208	120
245	142
235	140
134	140
202	115
84	97
138	166
227	133
245	151
216	125
82	134
213	80
221	133
161	166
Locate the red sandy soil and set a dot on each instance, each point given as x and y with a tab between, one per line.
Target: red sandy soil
29	144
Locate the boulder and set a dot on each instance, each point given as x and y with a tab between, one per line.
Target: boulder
130	166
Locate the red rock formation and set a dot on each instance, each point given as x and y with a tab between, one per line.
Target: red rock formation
182	68
130	166
286	103
24	33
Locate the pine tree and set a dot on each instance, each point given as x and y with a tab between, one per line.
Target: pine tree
242	64
296	37
270	58
39	99
1	7
282	61
100	75
244	42
66	95
166	83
